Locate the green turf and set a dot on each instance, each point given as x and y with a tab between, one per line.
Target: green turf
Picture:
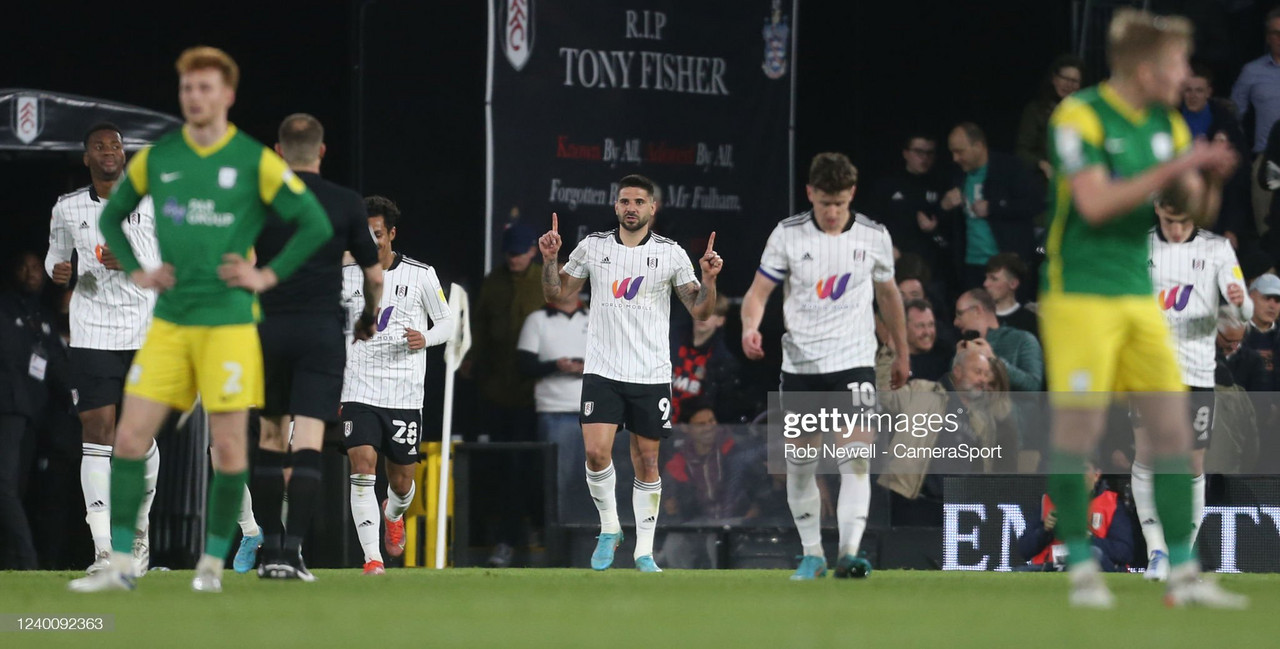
459	609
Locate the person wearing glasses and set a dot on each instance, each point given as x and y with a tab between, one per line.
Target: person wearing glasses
1065	76
906	201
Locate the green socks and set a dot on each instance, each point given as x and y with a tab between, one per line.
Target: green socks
128	484
225	494
1066	490
1173	504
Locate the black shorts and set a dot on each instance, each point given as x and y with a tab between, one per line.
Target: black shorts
395	433
97	376
1203	404
642	408
1202	407
303	358
858	381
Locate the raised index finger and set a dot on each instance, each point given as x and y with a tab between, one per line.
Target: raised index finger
555	222
711	242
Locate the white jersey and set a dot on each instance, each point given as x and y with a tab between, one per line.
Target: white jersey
108	311
553	334
383	371
630	322
1188	277
828	291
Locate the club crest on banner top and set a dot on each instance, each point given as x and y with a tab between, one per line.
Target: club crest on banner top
26	121
517	32
776	37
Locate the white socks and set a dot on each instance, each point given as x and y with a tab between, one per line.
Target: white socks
806	504
854	501
396	506
602	485
1144	499
248	524
149	496
645	498
1197	507
365	514
95	481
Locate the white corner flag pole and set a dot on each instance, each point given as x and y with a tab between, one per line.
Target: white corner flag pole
454	351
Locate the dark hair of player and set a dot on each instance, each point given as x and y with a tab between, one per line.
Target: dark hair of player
640	182
384	207
832	173
100	126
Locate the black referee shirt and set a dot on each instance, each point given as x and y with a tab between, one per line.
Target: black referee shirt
317	285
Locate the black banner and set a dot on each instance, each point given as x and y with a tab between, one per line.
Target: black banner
40	120
696	96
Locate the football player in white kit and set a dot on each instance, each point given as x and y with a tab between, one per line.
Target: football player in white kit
832	262
626	378
109	318
1190	268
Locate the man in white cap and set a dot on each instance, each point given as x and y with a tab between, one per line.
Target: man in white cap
1262	335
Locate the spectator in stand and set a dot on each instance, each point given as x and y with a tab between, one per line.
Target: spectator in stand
1110	529
703	474
1246	367
929	360
916	282
1211	117
703	366
1005	274
553	343
1066	75
1262	335
1020	351
991	207
508	295
1257	90
906	201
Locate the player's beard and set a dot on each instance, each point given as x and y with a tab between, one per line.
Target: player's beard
641	222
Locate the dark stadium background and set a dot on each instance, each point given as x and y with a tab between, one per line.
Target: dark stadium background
867	73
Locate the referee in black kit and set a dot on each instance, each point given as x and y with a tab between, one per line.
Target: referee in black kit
304	350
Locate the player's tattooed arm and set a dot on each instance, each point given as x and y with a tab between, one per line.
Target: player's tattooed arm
550	280
699	299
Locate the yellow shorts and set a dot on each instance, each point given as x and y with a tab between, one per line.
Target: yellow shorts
1096	343
222	363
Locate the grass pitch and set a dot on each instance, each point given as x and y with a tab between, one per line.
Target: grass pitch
580	608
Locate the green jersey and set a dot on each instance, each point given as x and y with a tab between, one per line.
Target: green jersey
1095	127
211	201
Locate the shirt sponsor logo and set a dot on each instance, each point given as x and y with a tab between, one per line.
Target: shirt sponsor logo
627	288
385	318
205	212
833	287
1176	298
